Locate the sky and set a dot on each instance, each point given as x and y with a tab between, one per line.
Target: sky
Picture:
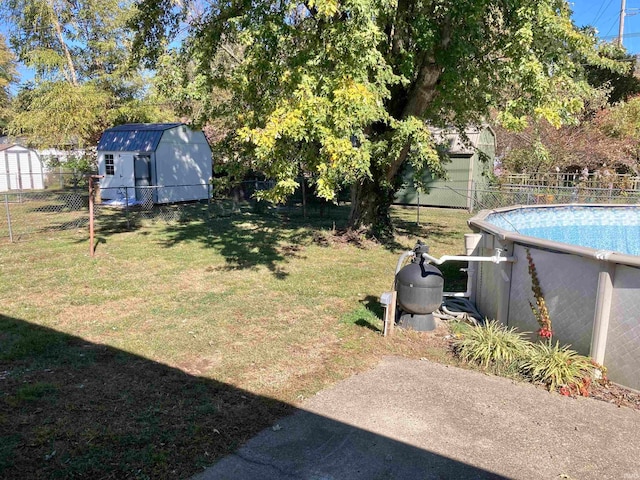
603	14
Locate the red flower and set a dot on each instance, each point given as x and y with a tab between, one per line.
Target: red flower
544	332
565	391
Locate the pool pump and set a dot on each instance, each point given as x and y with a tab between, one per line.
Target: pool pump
419	288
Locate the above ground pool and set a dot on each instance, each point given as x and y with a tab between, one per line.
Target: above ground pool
587	261
606	228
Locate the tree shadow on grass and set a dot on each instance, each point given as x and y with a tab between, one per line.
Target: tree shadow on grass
70	408
424	231
248	240
368	315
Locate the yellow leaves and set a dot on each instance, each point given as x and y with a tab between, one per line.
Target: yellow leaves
355	104
325	8
337	150
282	122
512	122
350	92
550	114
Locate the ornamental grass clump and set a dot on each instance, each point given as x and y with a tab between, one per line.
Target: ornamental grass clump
560	368
492	344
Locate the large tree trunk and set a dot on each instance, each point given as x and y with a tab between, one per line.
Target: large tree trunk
370	208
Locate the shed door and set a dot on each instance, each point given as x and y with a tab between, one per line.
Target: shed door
142	171
13	178
37	175
25	171
123	174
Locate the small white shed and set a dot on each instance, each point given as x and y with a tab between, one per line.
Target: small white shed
167	162
20	168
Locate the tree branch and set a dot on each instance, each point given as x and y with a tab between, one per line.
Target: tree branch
72	77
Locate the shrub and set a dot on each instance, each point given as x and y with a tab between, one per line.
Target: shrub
492	344
559	367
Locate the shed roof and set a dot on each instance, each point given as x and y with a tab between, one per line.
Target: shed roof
134	137
454	141
5	146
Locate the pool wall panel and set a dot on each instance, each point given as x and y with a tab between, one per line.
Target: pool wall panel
487	284
622	356
569	285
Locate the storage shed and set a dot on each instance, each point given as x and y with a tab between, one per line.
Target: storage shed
20	168
162	162
471	160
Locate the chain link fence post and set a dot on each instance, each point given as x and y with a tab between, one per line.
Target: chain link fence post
6	206
126	207
209	203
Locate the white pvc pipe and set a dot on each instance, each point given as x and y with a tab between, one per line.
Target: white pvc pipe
399	265
497	258
470	244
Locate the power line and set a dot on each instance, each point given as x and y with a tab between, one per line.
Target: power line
615	22
601	13
632	34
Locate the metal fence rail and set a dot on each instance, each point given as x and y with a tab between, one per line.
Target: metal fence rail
595	180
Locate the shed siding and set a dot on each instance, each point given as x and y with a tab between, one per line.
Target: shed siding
487	145
183	166
465	171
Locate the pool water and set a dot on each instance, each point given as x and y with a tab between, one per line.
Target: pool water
602	228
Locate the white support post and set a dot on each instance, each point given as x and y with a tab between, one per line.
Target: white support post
602	314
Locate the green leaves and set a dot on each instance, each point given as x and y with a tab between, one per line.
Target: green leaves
60	114
83	79
8	75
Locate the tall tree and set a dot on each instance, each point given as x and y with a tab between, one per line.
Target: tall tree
341	89
79	51
8	76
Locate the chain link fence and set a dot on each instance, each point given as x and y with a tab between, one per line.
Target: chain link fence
26	213
56	179
505	195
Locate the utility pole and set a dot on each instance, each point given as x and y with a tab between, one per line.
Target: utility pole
621	30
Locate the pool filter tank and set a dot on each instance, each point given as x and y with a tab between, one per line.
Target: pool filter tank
419	287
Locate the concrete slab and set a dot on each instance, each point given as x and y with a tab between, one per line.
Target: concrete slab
409	419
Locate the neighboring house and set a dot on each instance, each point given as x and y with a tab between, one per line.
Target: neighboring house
159	162
58	156
471	160
20	168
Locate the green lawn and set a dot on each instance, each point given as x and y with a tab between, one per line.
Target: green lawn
177	342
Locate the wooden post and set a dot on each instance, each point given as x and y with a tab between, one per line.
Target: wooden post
390	316
91	230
